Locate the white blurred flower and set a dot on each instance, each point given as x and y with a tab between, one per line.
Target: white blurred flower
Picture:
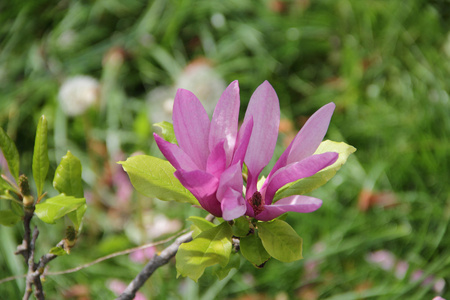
160	102
77	94
202	79
198	77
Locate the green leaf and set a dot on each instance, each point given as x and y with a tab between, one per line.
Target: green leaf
253	250
167	131
199	225
241	226
67	178
233	263
153	177
58	251
311	183
210	247
77	216
17	208
11	154
8	217
40	155
280	240
57	207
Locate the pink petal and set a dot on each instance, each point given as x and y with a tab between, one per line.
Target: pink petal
308	138
177	157
233	205
229	193
217	160
224	123
230	178
203	186
305	168
191	125
297	203
265	110
242	141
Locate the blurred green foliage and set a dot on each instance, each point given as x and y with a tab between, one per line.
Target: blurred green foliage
386	65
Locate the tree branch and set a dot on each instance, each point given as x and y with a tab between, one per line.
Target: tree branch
156	262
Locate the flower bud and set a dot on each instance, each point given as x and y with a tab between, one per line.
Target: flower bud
28	199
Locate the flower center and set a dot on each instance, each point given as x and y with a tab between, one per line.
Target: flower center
256	203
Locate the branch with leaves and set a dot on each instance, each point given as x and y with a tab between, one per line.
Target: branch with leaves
23	205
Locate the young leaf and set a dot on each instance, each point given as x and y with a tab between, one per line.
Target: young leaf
280	240
306	185
241	227
233	263
153	177
167	131
17	208
8	217
58	251
253	250
67	178
11	154
210	247
199	225
77	215
40	155
57	207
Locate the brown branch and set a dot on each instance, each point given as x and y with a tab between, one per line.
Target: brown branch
127	251
156	262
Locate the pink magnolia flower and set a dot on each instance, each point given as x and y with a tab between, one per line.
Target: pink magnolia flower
210	155
298	160
209	151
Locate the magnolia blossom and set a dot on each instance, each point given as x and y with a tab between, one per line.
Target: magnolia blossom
210	155
298	160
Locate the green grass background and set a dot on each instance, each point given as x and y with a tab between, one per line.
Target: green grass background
386	65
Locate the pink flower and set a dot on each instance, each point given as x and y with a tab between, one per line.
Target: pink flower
209	151
210	155
298	160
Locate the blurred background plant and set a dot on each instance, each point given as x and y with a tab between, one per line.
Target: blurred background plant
386	65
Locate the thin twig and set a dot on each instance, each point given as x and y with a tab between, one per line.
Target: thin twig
128	251
156	262
111	256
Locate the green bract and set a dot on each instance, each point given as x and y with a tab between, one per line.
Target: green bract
153	177
167	131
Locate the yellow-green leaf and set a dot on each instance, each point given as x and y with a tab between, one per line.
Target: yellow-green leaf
253	250
40	155
153	177
11	154
67	178
280	240
57	207
8	217
199	225
210	247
